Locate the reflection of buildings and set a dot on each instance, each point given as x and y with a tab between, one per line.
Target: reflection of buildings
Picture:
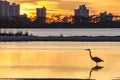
106	17
41	14
9	10
82	11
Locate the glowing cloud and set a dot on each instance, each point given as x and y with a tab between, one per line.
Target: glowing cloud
68	6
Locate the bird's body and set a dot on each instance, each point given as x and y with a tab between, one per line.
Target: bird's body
96	59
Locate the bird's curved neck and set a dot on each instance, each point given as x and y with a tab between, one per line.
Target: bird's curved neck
90	54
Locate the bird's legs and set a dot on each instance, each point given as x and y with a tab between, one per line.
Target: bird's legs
96	64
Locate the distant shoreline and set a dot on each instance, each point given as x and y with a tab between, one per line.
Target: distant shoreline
60	38
60	27
43	79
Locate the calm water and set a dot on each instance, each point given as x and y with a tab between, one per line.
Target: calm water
71	32
59	60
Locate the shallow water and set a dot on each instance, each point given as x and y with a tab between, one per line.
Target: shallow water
59	60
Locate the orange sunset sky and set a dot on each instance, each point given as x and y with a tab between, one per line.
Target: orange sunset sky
67	6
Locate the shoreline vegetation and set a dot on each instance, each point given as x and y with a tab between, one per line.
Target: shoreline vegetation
11	33
59	21
61	25
25	36
46	79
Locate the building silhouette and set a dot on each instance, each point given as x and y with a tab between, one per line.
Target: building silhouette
41	14
9	10
14	9
106	17
82	11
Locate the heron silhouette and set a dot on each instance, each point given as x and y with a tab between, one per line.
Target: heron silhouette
96	59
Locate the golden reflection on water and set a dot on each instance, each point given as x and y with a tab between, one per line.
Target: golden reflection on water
65	60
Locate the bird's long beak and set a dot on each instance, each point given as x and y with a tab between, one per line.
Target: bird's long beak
85	49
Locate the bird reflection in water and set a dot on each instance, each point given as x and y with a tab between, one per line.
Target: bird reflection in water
96	68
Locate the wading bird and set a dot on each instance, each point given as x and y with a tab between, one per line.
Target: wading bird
96	59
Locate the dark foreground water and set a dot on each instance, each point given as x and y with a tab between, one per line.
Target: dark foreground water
59	60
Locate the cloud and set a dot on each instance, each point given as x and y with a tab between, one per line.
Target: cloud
68	6
29	6
71	5
47	4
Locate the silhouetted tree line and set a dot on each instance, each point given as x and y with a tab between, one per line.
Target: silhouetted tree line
59	21
11	33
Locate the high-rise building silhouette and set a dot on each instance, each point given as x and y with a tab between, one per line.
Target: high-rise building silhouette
106	17
9	10
41	12
82	11
14	9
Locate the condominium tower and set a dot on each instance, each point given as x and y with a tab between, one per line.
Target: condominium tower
82	11
41	12
9	10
